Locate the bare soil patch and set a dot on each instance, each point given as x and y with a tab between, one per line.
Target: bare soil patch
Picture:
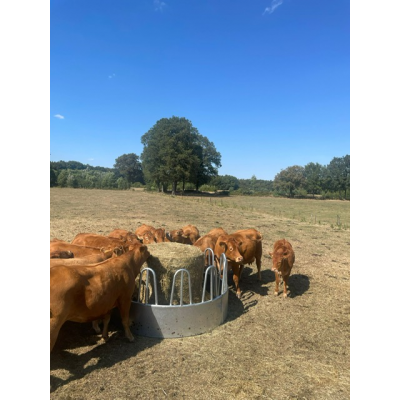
268	348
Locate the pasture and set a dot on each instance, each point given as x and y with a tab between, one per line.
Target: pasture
268	348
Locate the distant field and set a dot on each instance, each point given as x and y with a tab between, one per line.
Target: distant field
268	348
331	212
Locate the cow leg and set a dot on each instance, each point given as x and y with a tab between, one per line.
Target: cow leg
258	262
55	326
124	307
285	280
106	321
277	281
95	326
236	276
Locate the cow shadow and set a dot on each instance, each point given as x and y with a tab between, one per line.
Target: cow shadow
250	287
249	280
102	355
235	306
298	285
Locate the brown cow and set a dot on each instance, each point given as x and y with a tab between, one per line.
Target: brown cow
240	248
124	234
160	235
146	234
186	235
88	293
204	242
216	232
85	251
282	263
252	233
92	259
209	240
97	241
149	234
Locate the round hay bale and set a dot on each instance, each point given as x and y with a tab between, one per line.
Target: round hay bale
165	259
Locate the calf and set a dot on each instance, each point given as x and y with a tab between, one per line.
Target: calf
282	263
240	249
89	293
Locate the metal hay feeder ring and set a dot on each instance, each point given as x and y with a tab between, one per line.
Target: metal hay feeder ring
180	320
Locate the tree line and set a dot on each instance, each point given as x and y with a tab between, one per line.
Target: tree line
176	157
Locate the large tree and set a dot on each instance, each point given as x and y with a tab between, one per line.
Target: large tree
290	179
130	167
209	162
338	172
174	151
314	174
225	182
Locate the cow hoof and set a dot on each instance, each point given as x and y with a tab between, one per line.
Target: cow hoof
239	295
284	295
276	293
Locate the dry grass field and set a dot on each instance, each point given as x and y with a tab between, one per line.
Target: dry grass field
268	348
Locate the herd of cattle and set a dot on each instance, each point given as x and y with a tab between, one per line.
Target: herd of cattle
93	273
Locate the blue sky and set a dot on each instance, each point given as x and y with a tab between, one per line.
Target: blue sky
268	82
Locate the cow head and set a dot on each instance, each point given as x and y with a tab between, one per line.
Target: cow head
141	253
147	238
229	246
279	258
131	238
177	236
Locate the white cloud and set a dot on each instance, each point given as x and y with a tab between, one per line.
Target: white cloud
111	76
274	5
59	116
159	5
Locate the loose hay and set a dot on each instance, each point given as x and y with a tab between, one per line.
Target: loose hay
167	258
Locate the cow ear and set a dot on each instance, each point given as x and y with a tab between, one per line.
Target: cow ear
143	248
270	254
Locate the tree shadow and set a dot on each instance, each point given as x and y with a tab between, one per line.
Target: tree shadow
103	355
